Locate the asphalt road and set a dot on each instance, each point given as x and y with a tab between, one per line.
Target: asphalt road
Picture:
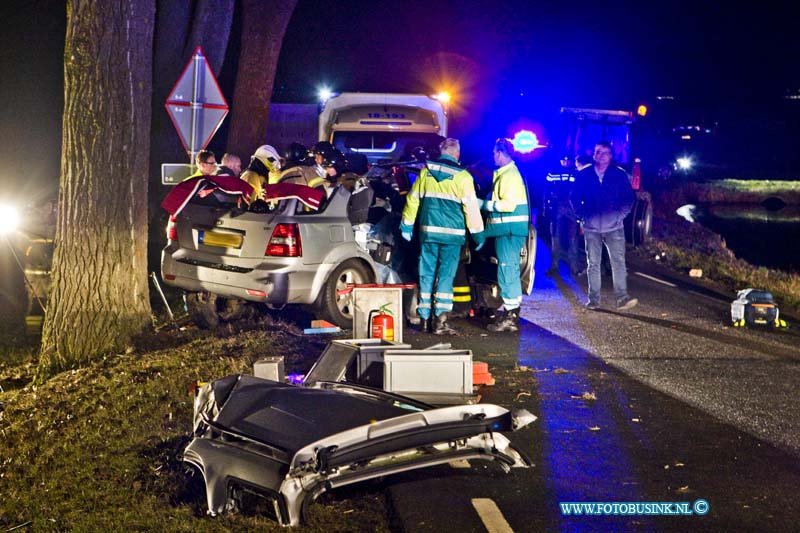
687	408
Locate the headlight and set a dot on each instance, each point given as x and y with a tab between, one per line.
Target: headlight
684	163
9	219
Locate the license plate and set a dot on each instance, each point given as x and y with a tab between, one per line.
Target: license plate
223	240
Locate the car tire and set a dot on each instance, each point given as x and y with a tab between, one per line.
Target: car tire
339	309
208	310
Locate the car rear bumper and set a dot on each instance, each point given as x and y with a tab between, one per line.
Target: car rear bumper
290	282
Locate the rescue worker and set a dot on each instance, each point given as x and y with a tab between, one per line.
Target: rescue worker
443	198
265	166
299	167
322	152
508	221
206	163
231	165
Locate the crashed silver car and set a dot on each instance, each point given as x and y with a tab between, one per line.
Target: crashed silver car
291	443
224	255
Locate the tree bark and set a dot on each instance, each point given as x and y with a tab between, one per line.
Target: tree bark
263	26
99	299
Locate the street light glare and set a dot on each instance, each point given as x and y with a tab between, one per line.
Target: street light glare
9	219
325	94
443	97
684	163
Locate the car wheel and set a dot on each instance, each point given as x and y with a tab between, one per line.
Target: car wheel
207	309
338	308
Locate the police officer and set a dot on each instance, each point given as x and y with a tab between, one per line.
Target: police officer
444	199
507	221
564	229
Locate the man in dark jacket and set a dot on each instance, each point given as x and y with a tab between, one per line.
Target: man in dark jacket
602	197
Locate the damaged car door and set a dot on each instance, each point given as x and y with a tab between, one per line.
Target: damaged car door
291	443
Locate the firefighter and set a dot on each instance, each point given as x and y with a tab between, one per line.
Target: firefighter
443	197
265	166
299	167
507	221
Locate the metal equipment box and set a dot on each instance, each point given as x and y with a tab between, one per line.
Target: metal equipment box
428	372
353	360
269	368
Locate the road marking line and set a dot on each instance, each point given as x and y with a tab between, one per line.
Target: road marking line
460	463
656	279
491	516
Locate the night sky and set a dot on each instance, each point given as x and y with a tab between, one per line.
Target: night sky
503	60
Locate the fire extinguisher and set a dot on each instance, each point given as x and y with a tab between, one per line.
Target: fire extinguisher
382	324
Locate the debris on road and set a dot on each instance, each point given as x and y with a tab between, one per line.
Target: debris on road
520	395
340	433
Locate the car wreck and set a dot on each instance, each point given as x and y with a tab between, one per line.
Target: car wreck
292	443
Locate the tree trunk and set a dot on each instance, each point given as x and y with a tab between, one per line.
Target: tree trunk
99	299
263	26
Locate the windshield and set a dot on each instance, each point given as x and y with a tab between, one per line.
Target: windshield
384	146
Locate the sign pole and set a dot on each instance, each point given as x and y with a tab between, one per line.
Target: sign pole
195	107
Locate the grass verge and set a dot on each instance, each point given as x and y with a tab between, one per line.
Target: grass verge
99	448
684	246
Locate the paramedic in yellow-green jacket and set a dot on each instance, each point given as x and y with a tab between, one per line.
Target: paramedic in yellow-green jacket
507	220
443	199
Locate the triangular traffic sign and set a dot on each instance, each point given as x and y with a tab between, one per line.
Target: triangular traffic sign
196	104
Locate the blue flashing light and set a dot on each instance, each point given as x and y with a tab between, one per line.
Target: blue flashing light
325	94
296	379
525	142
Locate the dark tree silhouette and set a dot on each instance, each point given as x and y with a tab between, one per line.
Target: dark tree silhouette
263	27
99	299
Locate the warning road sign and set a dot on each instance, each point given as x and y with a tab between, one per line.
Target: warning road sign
196	104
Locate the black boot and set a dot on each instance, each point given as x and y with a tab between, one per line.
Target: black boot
424	325
442	327
508	322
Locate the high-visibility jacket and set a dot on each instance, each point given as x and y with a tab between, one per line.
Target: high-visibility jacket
508	204
444	198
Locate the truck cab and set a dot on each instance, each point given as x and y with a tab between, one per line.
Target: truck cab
384	127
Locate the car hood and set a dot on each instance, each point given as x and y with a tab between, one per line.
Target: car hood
292	443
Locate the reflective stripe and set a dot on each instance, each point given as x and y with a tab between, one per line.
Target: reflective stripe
503	220
444	169
448	231
408	222
512	301
444	307
466	298
460	289
444	295
423	305
441	195
425	295
414	194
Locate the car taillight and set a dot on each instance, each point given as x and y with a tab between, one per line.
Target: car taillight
172	230
285	241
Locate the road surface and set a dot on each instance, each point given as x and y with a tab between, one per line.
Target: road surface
664	403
